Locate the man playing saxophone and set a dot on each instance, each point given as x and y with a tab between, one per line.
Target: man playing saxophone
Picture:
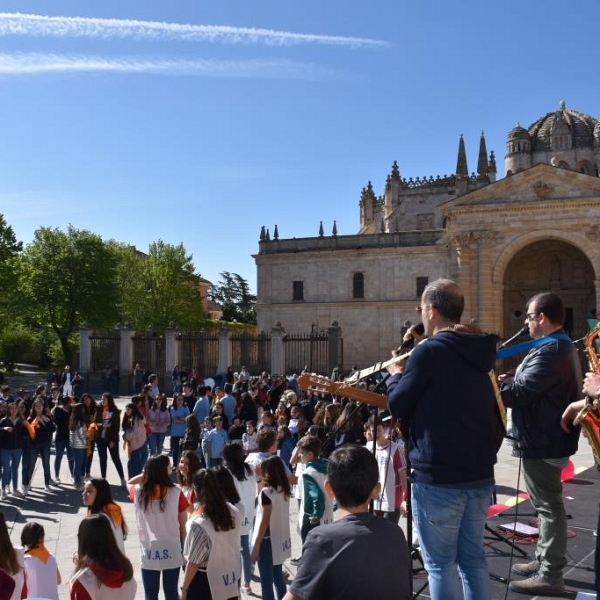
591	389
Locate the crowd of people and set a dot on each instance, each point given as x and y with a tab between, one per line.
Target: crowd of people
215	501
211	473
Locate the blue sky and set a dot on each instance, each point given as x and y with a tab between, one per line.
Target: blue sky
199	122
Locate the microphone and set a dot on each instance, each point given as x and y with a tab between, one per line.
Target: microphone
519	333
409	342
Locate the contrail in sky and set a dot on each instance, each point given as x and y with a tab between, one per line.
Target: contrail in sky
65	27
31	63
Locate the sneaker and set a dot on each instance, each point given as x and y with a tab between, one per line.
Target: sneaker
246	589
47	488
25	489
55	481
538	585
4	494
17	494
526	569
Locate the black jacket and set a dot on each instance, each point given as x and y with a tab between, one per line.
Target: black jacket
546	382
447	394
14	439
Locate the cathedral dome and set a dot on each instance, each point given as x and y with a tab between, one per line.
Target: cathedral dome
562	130
518	133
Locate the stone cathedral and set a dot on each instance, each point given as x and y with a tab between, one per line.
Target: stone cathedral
501	239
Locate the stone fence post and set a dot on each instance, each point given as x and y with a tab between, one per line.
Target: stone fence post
224	348
277	351
126	361
334	336
171	358
85	350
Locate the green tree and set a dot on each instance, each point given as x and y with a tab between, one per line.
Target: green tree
68	278
159	288
233	295
9	257
15	341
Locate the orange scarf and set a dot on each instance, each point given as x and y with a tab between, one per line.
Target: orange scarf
91	431
30	429
39	552
115	515
113	512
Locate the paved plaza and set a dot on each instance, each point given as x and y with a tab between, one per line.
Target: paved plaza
61	510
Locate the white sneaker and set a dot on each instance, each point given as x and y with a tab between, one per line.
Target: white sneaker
47	488
17	494
55	481
25	489
4	494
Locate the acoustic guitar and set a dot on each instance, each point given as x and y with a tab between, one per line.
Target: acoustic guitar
323	385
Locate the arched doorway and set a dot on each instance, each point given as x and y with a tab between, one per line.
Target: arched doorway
555	266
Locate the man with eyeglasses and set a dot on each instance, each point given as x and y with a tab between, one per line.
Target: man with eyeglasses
544	384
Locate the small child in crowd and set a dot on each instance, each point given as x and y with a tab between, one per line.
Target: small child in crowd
249	438
333	559
285	444
316	508
41	571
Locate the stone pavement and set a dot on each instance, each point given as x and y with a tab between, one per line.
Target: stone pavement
61	510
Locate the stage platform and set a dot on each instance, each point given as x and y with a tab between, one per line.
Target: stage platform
581	494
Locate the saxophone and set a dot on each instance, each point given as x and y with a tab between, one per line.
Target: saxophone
589	417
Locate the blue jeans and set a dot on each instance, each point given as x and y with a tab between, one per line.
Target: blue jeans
451	526
10	466
135	464
246	560
151	581
79	459
156	441
270	574
41	449
60	448
214	462
306	527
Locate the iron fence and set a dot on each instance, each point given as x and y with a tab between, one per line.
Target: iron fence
149	351
307	350
252	351
200	351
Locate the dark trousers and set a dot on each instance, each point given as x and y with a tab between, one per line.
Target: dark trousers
103	447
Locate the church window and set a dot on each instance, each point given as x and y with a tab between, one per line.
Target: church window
298	290
358	285
421	285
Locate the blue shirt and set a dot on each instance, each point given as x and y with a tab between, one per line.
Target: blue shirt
228	402
214	442
178	429
202	408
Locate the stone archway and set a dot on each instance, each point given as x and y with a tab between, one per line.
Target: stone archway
555	266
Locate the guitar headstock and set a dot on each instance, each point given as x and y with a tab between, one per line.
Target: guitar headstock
316	383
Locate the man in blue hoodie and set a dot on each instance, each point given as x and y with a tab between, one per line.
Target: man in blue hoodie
446	393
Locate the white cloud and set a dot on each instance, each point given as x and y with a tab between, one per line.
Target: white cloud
64	27
31	63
